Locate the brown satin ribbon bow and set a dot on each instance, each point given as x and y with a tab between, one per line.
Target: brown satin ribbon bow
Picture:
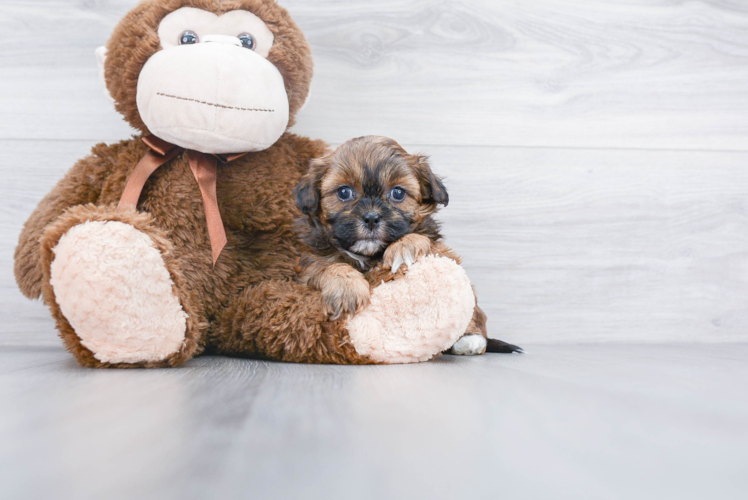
204	169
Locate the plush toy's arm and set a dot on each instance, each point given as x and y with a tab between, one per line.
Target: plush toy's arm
82	184
286	321
289	321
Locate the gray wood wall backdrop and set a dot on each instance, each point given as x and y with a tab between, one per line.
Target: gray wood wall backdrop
595	151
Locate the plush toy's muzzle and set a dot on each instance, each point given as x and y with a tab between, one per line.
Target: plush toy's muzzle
214	97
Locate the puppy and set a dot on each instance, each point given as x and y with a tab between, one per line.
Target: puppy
368	211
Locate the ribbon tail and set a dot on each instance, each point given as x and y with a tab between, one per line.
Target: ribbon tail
205	171
140	174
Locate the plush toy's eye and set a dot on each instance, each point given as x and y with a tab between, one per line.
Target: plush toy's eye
345	193
188	38
397	194
248	41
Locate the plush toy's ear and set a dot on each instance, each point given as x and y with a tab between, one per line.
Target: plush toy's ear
432	188
101	60
306	101
308	190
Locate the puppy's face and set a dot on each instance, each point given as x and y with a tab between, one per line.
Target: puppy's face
369	193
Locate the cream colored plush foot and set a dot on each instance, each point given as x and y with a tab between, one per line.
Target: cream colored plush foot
415	317
469	345
113	287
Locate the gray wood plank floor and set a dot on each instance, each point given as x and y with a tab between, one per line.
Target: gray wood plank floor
595	153
576	422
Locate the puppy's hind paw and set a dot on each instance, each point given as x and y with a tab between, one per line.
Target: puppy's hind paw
469	345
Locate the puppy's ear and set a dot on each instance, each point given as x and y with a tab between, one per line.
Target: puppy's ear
308	190
432	188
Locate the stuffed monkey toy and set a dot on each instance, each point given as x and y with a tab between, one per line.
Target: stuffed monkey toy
180	241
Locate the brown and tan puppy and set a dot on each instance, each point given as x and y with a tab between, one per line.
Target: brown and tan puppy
369	214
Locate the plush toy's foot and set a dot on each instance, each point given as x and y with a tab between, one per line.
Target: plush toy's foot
118	303
415	317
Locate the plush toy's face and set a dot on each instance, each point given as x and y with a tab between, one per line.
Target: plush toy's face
211	87
207	75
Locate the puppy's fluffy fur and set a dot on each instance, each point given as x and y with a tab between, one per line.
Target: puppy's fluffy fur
368	210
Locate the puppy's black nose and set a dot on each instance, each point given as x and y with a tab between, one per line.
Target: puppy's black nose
372	219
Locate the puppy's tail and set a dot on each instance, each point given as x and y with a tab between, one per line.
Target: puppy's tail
494	345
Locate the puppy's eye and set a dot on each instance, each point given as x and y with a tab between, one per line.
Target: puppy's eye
188	38
345	193
248	41
397	194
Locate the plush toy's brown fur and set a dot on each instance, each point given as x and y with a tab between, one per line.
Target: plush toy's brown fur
247	304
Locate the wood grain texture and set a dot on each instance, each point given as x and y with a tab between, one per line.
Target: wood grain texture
562	422
623	73
571	245
562	245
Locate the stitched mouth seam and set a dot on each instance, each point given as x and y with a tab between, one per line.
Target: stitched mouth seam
215	105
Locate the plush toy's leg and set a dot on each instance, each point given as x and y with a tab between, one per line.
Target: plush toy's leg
116	292
412	318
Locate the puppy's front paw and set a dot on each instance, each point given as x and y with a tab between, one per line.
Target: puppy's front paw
344	290
406	250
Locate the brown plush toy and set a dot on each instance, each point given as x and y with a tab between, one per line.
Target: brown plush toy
181	241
